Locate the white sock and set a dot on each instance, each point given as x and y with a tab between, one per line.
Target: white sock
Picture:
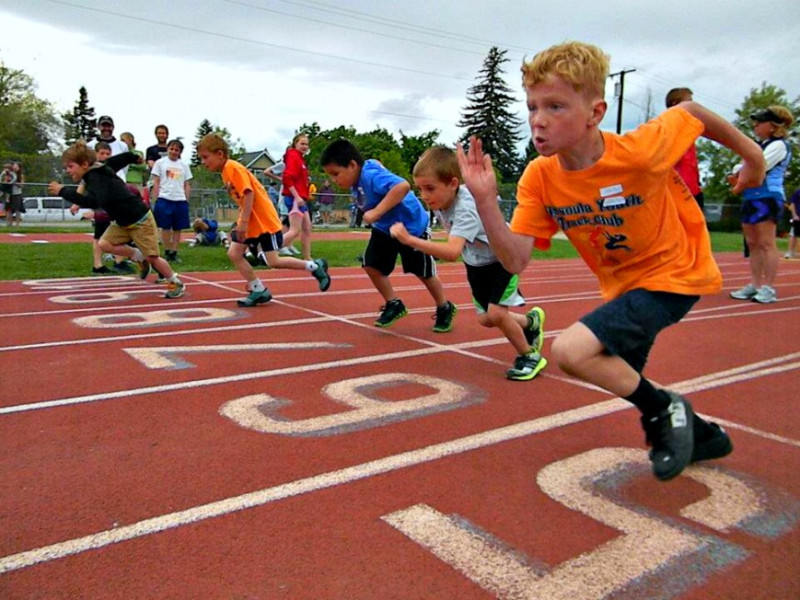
255	286
137	255
311	266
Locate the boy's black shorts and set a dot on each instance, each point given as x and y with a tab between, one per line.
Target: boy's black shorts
266	241
381	255
627	326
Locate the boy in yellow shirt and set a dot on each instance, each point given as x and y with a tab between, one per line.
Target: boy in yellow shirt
258	223
633	221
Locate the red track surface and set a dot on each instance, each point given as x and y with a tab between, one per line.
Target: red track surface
193	449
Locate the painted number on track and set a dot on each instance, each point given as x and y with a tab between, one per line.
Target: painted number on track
651	552
260	411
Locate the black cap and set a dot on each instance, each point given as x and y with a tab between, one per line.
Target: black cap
765	115
105	119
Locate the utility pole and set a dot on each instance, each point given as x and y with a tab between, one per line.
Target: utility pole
619	92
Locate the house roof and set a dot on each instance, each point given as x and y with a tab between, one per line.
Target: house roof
259	159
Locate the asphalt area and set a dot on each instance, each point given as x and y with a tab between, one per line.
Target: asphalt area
191	448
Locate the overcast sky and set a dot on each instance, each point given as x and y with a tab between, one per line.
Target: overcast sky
262	68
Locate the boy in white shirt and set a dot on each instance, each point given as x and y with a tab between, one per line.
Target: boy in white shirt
171	188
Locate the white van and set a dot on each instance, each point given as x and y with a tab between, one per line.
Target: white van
50	209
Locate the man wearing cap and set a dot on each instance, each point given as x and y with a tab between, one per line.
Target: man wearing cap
106	126
762	206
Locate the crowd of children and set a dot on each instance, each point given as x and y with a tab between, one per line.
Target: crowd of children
616	197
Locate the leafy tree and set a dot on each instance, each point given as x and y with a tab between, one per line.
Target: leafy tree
81	122
488	116
27	123
412	146
718	162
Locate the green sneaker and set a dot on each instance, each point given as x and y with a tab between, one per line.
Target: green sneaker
175	289
255	298
444	317
391	312
534	333
526	367
321	274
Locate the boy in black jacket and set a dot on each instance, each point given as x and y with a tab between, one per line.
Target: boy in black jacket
132	220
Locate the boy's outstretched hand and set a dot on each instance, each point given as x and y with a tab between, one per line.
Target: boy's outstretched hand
54	188
476	170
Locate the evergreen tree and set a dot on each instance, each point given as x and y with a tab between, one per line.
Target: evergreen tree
81	122
202	131
488	116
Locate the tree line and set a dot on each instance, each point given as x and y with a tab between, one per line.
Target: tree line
32	131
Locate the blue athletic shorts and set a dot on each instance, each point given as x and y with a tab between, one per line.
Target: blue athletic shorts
758	210
171	214
627	326
288	202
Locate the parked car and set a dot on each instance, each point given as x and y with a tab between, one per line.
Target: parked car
51	209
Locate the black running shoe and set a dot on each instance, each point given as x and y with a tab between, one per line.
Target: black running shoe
104	270
391	312
444	317
716	446
671	435
124	268
534	333
321	274
526	367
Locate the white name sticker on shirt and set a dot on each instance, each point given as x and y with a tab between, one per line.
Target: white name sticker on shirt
613	202
612	189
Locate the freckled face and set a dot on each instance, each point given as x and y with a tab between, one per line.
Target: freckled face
558	115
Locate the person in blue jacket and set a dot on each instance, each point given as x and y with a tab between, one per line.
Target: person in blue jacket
762	206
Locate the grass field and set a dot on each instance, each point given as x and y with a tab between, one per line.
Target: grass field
26	261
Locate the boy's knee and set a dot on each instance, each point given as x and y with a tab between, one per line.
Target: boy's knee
564	353
104	245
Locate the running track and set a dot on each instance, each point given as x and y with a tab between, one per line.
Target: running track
193	449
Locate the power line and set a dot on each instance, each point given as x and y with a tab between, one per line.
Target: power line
257	42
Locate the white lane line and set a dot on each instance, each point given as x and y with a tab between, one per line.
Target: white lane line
309	484
370	469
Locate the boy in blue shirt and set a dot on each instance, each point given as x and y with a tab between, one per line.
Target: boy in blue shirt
388	200
494	289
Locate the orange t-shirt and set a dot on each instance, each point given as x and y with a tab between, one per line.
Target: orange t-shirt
263	218
630	216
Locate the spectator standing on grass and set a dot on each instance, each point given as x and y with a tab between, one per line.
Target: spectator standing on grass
137	172
388	199
8	178
106	126
687	166
257	225
643	236
296	194
325	199
494	290
762	206
159	149
132	220
171	180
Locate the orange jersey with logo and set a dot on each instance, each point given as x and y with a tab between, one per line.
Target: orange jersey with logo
630	215
238	180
